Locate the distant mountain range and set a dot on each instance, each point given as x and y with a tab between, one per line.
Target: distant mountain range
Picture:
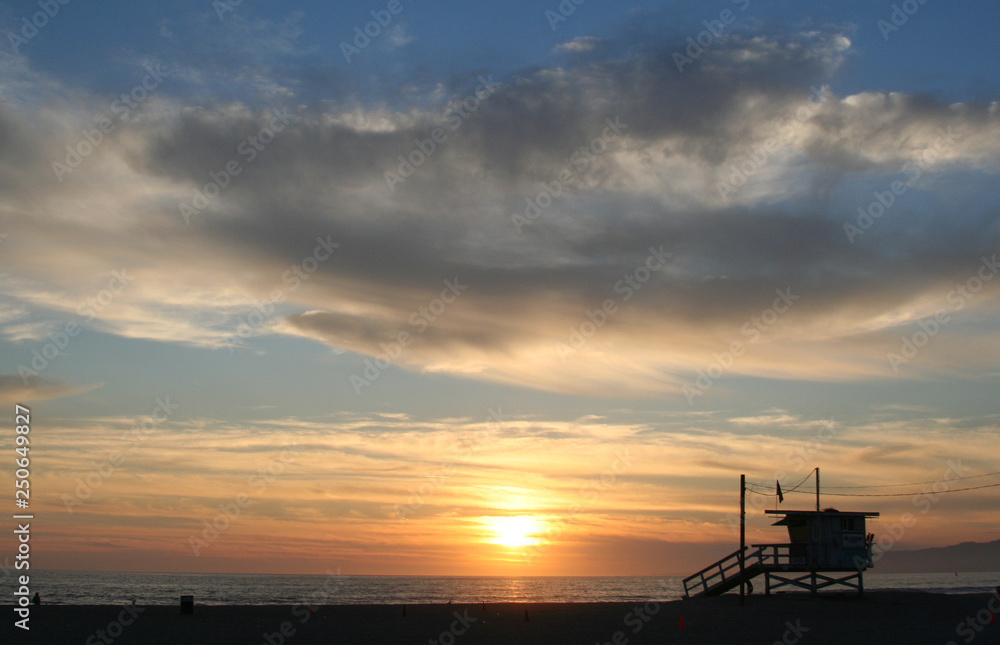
967	556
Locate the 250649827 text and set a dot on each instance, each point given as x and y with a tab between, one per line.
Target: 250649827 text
22	520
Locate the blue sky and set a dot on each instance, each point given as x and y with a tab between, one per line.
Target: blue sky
254	140
944	49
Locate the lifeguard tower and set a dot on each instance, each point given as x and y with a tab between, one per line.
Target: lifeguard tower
825	548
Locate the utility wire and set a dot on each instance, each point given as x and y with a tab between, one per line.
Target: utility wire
792	489
771	490
770	493
915	483
953	490
808	475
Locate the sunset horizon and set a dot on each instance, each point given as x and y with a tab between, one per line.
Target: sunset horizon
519	289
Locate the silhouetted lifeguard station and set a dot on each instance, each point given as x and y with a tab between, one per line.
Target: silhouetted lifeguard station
825	548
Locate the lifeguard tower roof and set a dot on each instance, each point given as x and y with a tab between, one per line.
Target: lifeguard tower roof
791	516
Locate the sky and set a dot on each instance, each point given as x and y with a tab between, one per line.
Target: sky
502	288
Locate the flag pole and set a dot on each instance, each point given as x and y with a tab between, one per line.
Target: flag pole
817	489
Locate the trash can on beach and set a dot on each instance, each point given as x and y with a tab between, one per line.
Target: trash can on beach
187	604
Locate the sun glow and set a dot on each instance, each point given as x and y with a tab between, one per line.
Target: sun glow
515	531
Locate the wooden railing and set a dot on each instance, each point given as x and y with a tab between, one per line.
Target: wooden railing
718	572
780	556
776	555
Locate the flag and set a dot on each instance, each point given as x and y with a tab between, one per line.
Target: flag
781	497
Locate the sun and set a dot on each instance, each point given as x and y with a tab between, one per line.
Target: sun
515	531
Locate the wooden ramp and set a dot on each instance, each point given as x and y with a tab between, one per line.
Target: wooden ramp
719	577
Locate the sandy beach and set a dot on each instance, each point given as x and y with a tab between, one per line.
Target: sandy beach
879	617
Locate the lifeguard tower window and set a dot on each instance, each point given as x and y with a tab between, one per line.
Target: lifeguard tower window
847	524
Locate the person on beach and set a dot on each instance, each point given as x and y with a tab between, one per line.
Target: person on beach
37	599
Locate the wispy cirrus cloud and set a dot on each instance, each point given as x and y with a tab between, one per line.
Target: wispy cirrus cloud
15	390
348	473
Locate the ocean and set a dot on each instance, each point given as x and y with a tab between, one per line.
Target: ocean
104	588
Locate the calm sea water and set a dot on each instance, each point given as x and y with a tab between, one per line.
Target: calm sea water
101	588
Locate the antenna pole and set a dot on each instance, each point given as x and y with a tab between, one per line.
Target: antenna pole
817	489
743	534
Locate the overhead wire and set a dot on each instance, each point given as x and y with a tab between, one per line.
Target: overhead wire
933	481
792	489
768	492
923	492
808	475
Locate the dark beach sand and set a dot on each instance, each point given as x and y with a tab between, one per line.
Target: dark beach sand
879	617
